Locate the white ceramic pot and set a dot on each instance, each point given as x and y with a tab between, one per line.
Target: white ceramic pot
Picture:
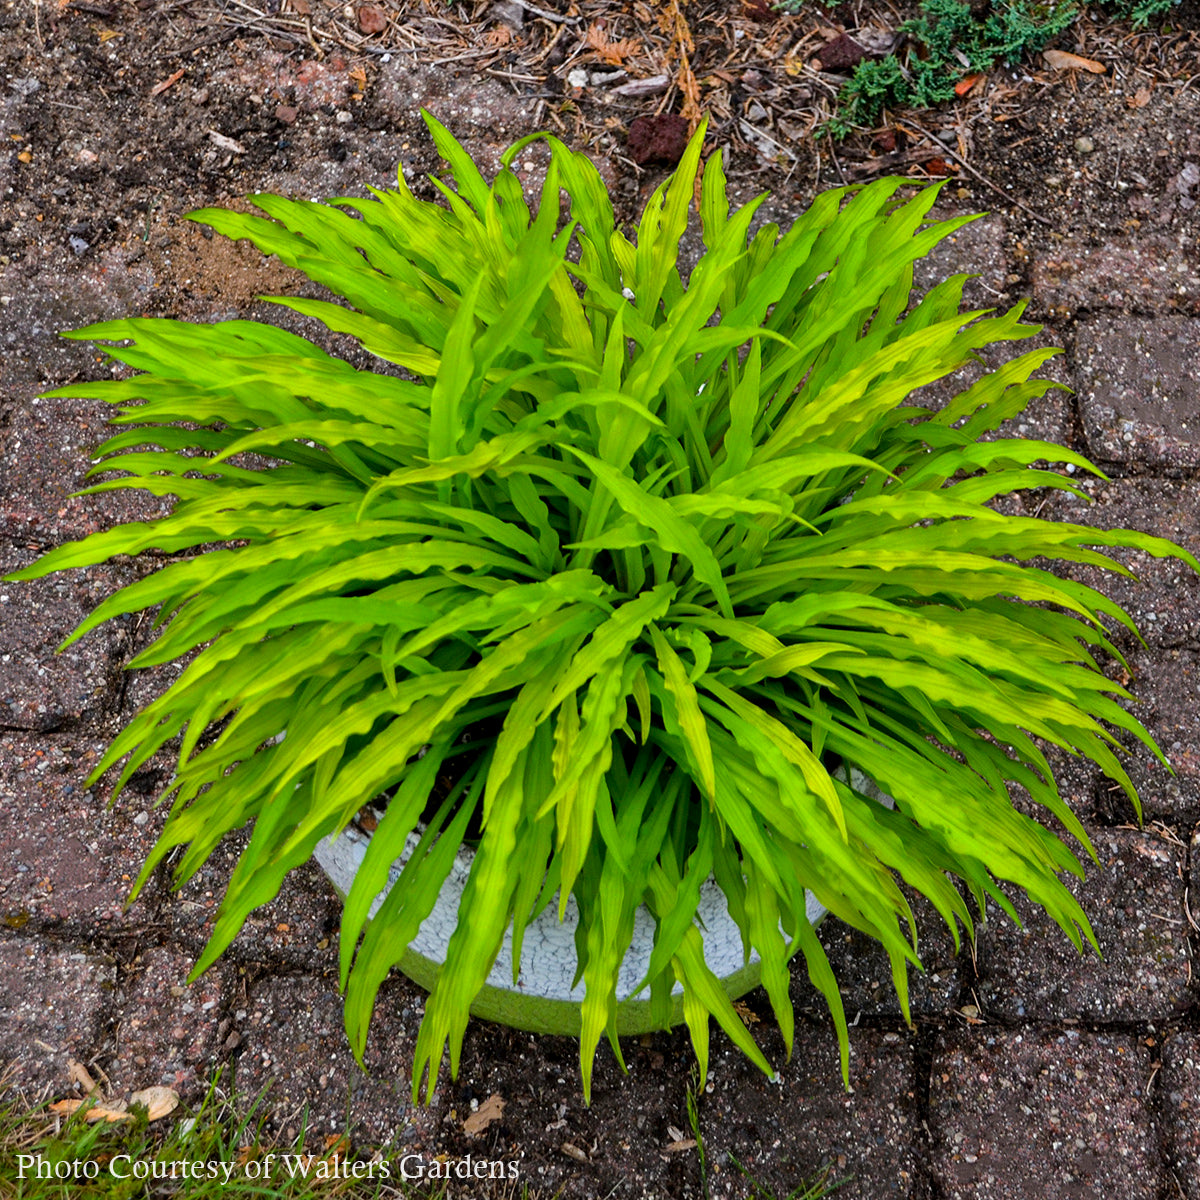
543	999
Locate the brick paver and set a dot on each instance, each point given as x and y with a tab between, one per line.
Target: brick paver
56	1000
1138	378
1181	1110
170	1031
1057	1116
1135	904
64	855
783	1133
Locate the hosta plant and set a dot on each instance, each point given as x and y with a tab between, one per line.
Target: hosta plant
609	579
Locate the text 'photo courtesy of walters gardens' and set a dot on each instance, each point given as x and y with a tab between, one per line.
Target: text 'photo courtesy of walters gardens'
267	1168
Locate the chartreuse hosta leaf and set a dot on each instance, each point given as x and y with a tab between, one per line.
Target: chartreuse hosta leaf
620	579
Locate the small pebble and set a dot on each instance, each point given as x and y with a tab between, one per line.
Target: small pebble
344	118
578	78
1084	145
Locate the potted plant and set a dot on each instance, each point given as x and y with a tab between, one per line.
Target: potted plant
533	984
608	583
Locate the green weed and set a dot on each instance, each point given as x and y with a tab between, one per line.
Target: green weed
947	43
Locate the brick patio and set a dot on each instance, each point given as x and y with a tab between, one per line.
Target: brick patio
1030	1072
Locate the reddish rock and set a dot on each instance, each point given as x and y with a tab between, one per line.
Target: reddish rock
658	139
371	19
841	53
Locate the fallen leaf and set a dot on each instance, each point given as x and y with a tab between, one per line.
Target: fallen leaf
158	1102
490	1111
793	64
226	143
964	85
1061	60
78	1073
107	35
613	53
939	166
159	88
337	1146
371	19
99	1112
1140	98
743	1010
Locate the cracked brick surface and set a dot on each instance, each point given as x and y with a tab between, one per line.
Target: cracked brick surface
169	1033
1147	274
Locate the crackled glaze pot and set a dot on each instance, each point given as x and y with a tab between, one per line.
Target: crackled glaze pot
545	998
